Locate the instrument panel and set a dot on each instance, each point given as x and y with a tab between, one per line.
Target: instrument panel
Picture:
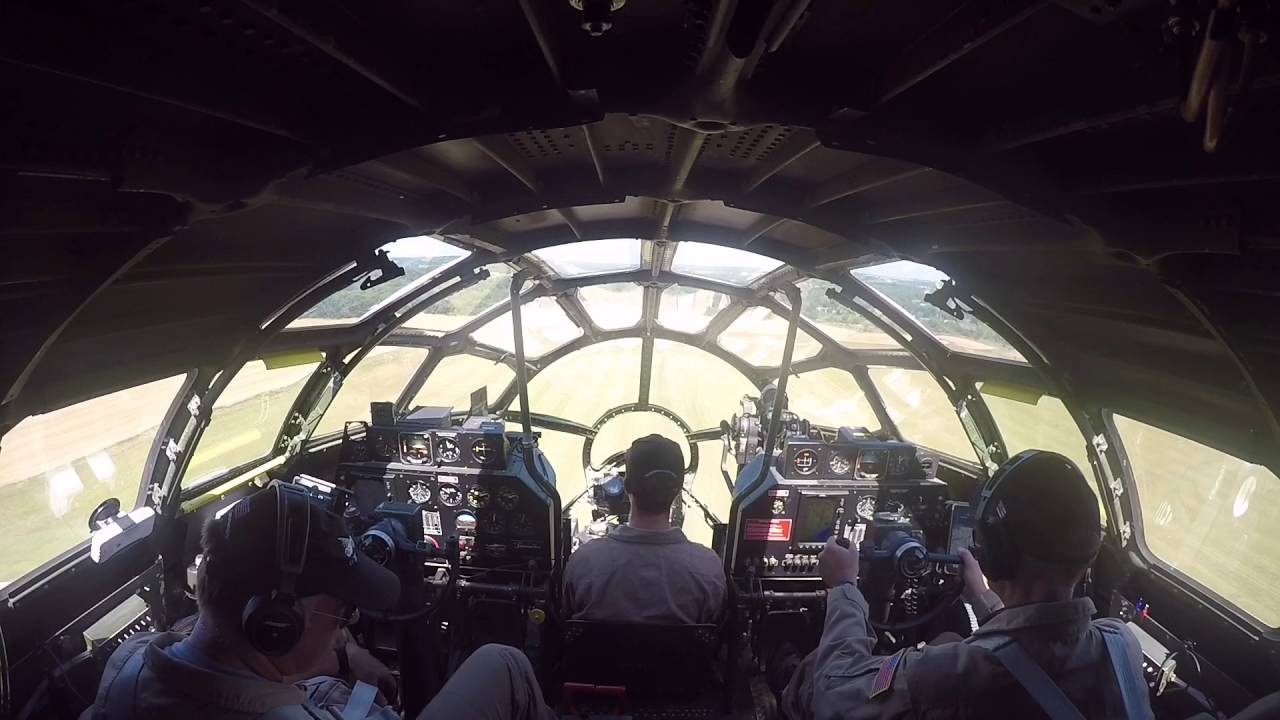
785	528
498	520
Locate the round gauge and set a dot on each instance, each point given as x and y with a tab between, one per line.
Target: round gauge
377	547
466	522
415	449
477	497
494	523
508	498
521	524
450	496
384	446
840	465
447	449
483	451
866	507
419	493
805	462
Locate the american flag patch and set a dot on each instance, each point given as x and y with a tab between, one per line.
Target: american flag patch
884	678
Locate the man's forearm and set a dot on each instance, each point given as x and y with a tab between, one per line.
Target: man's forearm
846	636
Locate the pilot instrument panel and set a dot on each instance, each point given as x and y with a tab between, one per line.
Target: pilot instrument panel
468	482
818	489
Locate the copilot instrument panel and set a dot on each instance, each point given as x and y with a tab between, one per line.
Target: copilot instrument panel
469	481
838	488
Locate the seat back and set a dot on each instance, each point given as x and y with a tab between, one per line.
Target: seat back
657	664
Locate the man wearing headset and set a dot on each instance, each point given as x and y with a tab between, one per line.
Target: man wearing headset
1037	652
280	579
646	570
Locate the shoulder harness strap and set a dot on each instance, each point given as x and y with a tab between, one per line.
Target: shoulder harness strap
1030	676
1132	687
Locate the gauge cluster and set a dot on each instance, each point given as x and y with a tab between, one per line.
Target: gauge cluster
440	448
465	480
496	518
806	459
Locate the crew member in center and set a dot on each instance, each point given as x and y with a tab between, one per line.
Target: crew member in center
1037	652
647	570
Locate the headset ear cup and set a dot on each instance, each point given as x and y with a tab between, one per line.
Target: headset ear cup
998	557
273	624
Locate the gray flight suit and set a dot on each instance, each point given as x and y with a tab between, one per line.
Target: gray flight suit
142	682
645	576
842	679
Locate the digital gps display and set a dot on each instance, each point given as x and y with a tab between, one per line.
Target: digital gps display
815	521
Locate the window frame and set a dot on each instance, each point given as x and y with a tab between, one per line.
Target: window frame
918	326
394	301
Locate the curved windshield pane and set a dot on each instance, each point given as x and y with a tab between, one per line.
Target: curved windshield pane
689	310
457	376
830	397
584	384
1028	421
564	452
462	307
545	325
421	257
593	257
247	418
1208	515
906	283
613	306
379	377
841	324
696	385
724	264
758	336
57	467
921	411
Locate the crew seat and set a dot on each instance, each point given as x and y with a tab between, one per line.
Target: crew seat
641	670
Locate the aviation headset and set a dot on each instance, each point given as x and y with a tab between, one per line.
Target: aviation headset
995	546
274	622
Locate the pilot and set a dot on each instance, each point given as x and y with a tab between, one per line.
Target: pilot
280	580
647	571
1036	653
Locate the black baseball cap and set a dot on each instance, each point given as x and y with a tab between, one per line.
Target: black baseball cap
655	460
333	564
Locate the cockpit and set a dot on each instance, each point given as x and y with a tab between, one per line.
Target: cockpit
469	414
435	267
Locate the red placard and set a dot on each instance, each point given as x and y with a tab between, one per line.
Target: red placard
773	530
